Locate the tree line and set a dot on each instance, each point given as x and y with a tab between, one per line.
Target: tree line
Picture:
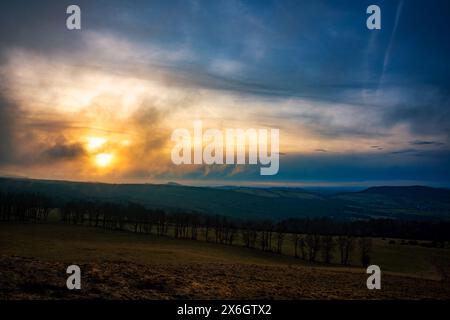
312	239
320	239
24	207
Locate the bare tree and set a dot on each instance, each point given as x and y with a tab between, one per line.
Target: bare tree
346	246
365	246
328	245
302	245
295	240
313	243
280	233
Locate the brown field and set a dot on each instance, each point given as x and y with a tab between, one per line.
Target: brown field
24	278
120	265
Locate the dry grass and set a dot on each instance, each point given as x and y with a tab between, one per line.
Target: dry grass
120	265
25	278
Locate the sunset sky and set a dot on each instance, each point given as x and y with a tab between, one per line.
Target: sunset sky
354	106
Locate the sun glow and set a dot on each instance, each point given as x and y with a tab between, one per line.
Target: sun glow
94	143
103	159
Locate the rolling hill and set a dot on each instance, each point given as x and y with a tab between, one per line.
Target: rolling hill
407	202
414	202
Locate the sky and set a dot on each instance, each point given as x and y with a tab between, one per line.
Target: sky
354	106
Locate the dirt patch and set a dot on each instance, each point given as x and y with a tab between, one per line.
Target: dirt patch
28	278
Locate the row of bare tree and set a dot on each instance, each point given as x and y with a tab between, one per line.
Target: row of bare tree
130	217
308	242
319	239
24	207
308	247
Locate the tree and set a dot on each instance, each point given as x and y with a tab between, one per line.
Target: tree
295	240
302	245
365	246
280	233
328	245
313	243
346	246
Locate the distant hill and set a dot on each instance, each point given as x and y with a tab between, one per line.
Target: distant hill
416	192
400	202
254	203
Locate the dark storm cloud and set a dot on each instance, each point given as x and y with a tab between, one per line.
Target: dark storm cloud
59	152
19	138
147	121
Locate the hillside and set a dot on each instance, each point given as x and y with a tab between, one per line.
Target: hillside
252	203
417	202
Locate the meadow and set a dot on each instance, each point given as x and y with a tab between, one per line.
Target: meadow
125	265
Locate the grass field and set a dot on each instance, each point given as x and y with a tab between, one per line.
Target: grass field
411	260
127	265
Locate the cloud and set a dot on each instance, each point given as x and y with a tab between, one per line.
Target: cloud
138	93
382	166
225	67
63	151
328	168
425	110
8	116
425	143
403	151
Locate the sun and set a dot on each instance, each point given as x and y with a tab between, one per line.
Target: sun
103	159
